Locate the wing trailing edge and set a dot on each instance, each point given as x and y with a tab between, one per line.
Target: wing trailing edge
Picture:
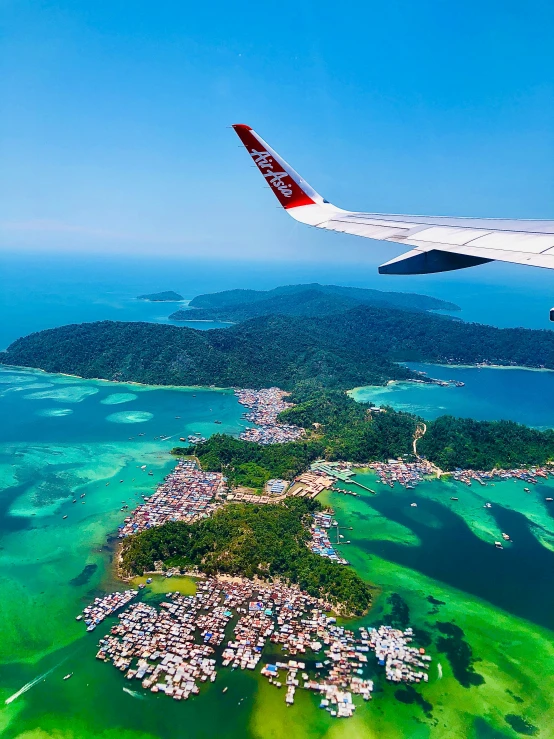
439	243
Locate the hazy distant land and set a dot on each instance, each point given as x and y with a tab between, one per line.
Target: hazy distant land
168	296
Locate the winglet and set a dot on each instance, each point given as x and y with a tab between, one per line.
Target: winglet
290	189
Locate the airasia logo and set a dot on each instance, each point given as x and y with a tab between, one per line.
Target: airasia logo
264	162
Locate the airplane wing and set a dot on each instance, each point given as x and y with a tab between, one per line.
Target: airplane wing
438	244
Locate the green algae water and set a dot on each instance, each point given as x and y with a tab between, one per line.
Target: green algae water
486	616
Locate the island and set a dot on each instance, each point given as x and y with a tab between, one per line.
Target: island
169	296
248	540
254	528
364	345
300	300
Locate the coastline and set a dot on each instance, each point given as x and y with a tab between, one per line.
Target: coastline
119	382
487	366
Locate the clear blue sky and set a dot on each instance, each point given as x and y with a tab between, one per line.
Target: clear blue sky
114	113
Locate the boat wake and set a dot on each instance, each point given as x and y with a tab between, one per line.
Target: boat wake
30	684
134	694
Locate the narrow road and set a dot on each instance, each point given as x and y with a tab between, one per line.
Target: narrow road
420	431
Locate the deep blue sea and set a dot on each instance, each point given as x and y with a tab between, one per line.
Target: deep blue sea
488	394
40	291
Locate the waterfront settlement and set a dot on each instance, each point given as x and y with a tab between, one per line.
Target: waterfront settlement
233	622
264	407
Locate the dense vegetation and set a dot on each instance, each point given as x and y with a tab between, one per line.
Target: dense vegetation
357	347
340	428
317	358
351	295
347	429
250	540
299	300
481	445
260	353
168	296
250	464
305	303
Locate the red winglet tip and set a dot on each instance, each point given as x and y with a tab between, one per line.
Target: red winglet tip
243	126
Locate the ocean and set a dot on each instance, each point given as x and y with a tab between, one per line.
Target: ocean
488	394
40	291
62	437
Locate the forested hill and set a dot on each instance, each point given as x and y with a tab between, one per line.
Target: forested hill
305	303
224	301
357	347
260	353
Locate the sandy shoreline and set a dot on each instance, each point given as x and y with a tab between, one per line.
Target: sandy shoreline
118	382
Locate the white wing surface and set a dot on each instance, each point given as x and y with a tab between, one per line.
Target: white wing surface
438	244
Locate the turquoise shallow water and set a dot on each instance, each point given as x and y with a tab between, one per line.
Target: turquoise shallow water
62	437
526	396
65	437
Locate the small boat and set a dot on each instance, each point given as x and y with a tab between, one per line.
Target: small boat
225	689
69	674
74	500
487	505
506	537
148	580
217	421
142	586
549	500
453	498
64	517
413	505
526	490
79	617
498	545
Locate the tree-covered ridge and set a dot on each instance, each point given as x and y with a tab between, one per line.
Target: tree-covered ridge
167	296
250	540
405	336
482	445
261	353
305	303
349	431
358	347
228	299
250	464
339	428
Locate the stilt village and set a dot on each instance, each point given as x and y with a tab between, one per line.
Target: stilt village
265	406
236	623
292	638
